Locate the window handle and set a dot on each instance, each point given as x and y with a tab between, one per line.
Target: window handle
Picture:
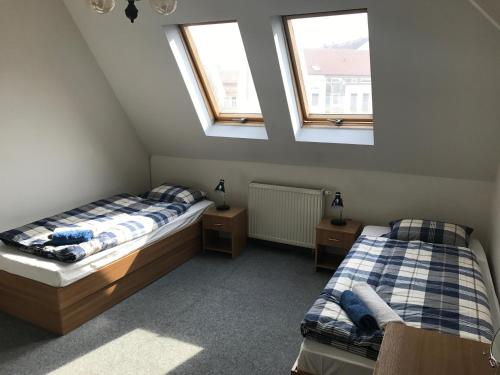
241	120
337	121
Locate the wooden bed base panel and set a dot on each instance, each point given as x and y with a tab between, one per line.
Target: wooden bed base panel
61	310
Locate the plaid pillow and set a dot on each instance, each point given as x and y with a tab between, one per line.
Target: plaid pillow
436	232
175	193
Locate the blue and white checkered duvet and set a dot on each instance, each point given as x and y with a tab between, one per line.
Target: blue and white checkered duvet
114	221
430	286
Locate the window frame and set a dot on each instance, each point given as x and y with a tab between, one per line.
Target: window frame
241	119
307	119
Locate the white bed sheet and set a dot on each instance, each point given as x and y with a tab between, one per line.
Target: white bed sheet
320	359
60	274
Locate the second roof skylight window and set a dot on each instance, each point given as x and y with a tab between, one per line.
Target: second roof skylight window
221	65
330	55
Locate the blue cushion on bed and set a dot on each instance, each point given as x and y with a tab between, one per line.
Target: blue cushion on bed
358	312
175	193
71	237
430	231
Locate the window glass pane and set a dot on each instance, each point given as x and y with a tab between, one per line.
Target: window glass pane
334	55
221	57
366	103
354	103
315	99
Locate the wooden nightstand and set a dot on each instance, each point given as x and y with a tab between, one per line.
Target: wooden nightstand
333	242
225	231
407	350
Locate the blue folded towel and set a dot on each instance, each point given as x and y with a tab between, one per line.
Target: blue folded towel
71	237
358	312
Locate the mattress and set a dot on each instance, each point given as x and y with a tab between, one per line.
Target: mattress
320	359
58	274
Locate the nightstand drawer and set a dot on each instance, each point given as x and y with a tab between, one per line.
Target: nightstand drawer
217	223
329	238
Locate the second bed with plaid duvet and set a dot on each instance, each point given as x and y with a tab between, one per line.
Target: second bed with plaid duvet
430	286
116	220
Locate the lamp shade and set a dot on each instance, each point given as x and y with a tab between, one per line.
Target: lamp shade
220	187
338	207
102	6
164	7
337	201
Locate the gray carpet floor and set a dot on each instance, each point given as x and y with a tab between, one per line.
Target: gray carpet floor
212	315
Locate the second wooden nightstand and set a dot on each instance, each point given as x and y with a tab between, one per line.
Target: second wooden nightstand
333	242
225	231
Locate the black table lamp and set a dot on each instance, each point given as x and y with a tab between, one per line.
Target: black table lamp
338	207
221	189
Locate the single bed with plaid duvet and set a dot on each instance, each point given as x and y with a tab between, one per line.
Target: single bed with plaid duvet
114	221
430	286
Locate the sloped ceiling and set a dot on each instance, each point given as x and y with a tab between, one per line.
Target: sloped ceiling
490	9
436	84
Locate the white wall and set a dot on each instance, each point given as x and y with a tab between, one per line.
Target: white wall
65	140
495	254
372	197
490	9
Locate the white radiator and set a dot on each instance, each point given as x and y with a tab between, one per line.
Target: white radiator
284	214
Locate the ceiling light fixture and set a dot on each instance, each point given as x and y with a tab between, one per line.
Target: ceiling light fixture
164	7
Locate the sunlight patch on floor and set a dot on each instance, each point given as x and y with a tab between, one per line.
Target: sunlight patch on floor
137	352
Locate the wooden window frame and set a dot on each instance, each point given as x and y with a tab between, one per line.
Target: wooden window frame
318	120
242	119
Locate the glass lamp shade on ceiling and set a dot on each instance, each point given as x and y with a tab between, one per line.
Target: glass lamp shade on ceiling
102	6
164	7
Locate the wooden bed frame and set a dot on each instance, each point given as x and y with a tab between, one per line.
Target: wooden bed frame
61	310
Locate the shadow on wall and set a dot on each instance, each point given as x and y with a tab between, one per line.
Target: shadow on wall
494	256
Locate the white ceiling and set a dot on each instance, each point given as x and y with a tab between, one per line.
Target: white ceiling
435	70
